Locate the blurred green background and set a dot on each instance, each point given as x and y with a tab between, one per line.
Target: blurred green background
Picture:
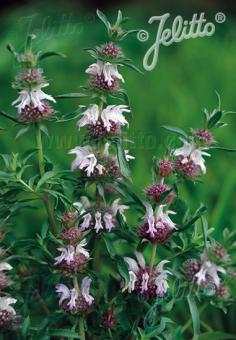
174	93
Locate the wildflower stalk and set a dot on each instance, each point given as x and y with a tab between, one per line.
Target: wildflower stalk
153	256
42	172
81	329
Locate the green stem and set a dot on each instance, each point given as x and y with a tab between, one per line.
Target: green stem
81	329
41	164
96	256
153	257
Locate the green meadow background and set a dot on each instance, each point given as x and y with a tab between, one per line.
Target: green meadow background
174	93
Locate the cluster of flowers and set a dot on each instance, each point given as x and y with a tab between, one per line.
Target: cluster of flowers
203	271
33	103
71	261
8	316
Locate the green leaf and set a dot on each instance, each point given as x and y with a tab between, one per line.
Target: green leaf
133	195
50	54
123	269
67	333
123	163
216	336
11	49
28	44
45	178
175	130
25	326
197	215
71	95
195	317
128	33
44	230
222	149
5	175
22	131
109	245
132	66
215	117
104	19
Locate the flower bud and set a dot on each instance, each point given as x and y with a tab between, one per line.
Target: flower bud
165	168
109	319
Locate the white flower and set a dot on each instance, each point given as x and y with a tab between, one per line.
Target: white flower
208	269
134	270
90	116
108	70
190	150
68	253
63	292
85	159
80	248
5	266
108	219
34	97
86	221
164	216
127	156
113	113
73	297
161	279
116	206
5	304
160	216
144	284
149	217
85	286
98	221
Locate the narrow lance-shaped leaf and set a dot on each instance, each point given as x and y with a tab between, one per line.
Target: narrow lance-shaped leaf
123	163
215	117
104	19
71	95
50	54
197	215
195	317
175	130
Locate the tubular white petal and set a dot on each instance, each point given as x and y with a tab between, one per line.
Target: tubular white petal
63	292
5	303
86	221
108	219
5	266
98	221
85	287
144	284
81	250
73	297
133	265
140	258
132	281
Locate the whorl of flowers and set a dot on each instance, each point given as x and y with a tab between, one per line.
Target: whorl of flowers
76	299
8	316
158	226
102	218
145	281
33	103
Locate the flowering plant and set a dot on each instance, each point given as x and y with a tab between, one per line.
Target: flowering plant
89	272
